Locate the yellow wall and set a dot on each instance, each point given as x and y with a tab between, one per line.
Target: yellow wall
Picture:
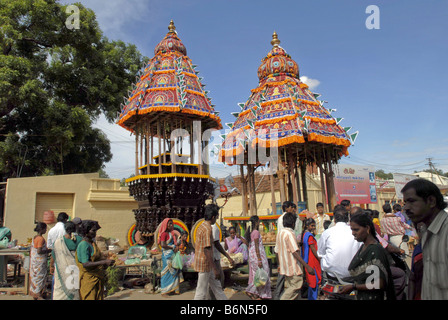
94	198
108	203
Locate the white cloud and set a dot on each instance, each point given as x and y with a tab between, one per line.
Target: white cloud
122	148
311	83
114	16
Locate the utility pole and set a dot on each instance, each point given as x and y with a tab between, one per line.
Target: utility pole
430	166
433	169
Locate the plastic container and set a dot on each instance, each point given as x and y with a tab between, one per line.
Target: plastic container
48	217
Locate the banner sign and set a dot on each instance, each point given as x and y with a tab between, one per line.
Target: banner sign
355	183
400	179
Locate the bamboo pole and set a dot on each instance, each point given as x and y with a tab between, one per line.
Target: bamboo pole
207	158
322	185
255	192
136	152
249	188
152	148
327	183
273	201
141	148
252	192
244	191
147	149
172	151
201	169
304	188
332	193
293	178
164	141
191	144
297	182
160	146
281	177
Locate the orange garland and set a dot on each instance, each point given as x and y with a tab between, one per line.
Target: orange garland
288	140
276	120
328	140
329	121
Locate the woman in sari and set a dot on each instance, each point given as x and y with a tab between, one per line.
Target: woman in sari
170	277
369	262
257	259
91	264
64	250
38	263
233	244
309	255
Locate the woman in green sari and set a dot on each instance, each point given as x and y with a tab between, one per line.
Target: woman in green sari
92	273
66	284
370	266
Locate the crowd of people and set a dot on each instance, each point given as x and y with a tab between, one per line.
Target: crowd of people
355	244
77	267
308	247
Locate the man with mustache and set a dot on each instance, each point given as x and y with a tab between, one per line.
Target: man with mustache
424	205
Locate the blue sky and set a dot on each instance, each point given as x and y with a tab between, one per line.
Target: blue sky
390	84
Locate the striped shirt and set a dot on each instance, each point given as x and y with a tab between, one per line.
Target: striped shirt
435	258
393	226
297	228
287	245
203	240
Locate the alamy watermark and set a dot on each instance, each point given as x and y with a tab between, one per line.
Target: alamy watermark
72	21
373	20
373	280
248	151
72	280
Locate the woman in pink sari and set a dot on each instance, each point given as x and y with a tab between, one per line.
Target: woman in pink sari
234	244
257	259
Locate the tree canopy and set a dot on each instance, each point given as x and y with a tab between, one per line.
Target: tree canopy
383	175
55	82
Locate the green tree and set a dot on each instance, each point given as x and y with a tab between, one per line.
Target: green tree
54	83
383	175
437	171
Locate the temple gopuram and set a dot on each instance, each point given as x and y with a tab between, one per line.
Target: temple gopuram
284	120
167	109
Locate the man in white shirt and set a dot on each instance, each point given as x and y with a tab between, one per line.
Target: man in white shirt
58	230
217	251
337	246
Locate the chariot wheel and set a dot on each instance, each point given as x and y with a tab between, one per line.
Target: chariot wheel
179	226
195	227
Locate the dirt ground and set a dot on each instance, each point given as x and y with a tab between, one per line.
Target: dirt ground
234	290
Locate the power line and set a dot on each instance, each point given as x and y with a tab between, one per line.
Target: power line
385	165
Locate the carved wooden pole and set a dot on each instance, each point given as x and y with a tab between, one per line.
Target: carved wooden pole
244	191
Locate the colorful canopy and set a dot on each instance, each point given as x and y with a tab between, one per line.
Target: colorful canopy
169	85
282	111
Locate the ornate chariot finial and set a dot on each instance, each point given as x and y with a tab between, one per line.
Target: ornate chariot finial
171	27
275	42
